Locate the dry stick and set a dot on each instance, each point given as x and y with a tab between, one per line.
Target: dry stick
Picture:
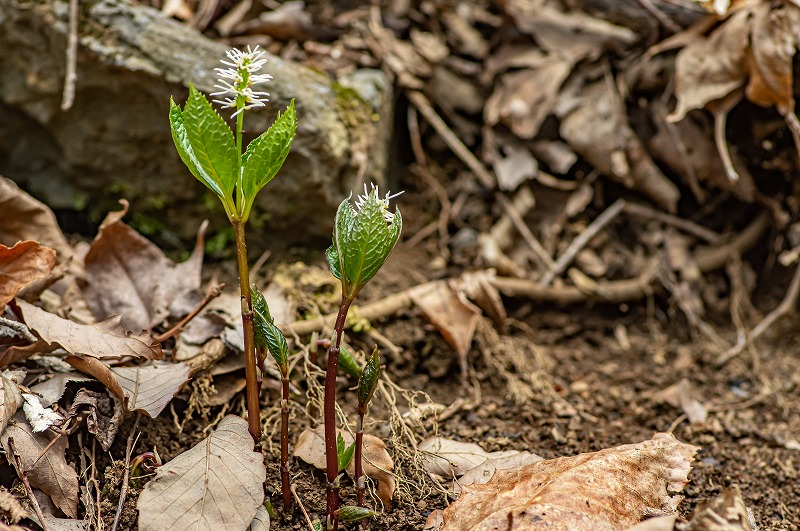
635	209
303	509
707	259
214	291
786	307
583	238
123	490
452	141
71	75
24	477
285	482
516	218
19	328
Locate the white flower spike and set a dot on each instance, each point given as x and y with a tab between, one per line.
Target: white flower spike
238	92
362	199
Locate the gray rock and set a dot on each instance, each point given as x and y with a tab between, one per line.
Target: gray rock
115	141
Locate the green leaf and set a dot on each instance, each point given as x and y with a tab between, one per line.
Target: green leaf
353	513
349	364
333	261
265	155
178	128
344	455
369	378
212	142
261	318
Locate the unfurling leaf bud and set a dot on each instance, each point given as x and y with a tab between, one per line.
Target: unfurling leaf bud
369	378
352	513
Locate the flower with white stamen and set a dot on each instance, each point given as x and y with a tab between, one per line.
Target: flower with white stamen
362	199
238	93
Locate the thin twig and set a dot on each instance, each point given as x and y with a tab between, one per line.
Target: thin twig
214	291
582	240
303	509
786	307
516	218
71	74
690	227
123	490
19	328
24	477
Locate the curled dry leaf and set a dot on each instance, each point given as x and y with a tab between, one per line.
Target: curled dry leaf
103	413
685	396
129	275
218	484
22	265
146	388
261	520
10	400
52	389
52	474
24	218
606	490
725	512
103	340
378	464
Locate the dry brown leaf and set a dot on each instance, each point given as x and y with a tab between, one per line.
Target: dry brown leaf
659	523
149	388
129	276
22	265
710	68
99	370
10	400
607	490
479	288
772	49
683	395
218	484
454	316
52	474
261	521
51	390
103	413
103	340
726	512
378	464
53	522
24	218
448	458
288	21
598	130
484	472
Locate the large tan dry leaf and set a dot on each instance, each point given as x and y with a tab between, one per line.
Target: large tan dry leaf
216	485
448	458
22	265
598	130
378	464
710	68
607	490
772	49
129	276
149	388
52	474
24	218
103	340
453	315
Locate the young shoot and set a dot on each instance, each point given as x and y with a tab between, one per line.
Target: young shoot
364	236
214	155
367	383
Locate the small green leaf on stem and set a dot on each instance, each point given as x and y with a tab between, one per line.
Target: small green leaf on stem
352	513
349	364
369	378
344	454
266	334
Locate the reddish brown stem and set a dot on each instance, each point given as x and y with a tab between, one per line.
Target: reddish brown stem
250	367
331	457
360	483
286	487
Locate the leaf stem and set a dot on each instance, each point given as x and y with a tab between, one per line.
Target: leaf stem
331	457
240	200
285	484
360	483
250	369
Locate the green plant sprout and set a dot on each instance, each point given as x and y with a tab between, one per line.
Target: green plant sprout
344	454
214	156
367	383
269	339
364	236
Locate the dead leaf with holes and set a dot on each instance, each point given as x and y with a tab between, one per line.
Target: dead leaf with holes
378	464
22	265
52	474
600	491
218	484
129	276
103	340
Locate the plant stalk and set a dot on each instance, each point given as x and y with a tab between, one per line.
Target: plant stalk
286	487
360	483
329	410
250	369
